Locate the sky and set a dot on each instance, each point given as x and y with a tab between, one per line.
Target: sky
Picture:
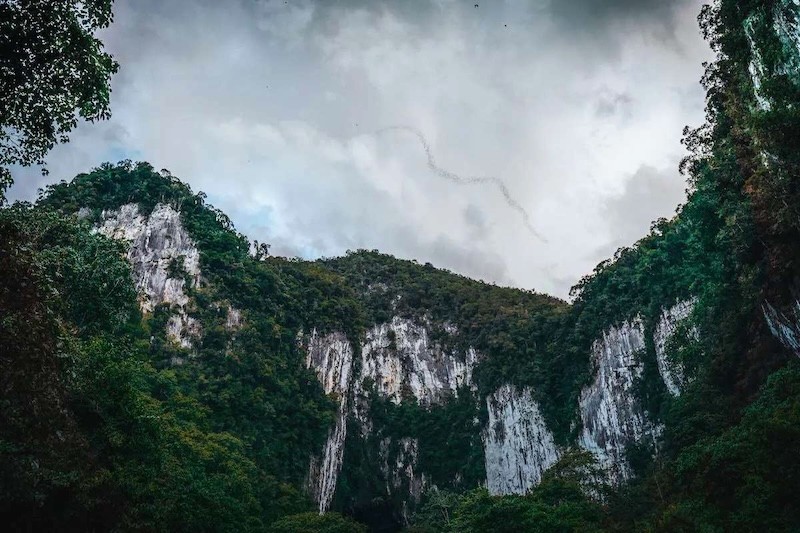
299	119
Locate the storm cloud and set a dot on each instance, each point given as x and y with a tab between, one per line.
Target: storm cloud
270	107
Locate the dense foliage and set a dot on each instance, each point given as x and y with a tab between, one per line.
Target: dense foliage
515	330
52	71
246	412
92	436
108	424
558	503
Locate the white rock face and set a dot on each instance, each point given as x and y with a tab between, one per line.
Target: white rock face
182	329
758	70
610	412
154	242
518	446
786	24
331	356
672	372
233	320
786	329
400	358
787	27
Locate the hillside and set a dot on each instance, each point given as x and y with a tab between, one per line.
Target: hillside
161	372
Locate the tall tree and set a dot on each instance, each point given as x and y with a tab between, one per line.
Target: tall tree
53	70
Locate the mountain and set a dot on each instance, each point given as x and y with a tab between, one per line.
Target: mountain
162	372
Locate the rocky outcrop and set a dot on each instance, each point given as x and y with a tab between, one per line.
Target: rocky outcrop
155	242
233	319
785	21
787	27
158	243
400	358
517	443
182	328
400	471
402	361
784	327
610	412
331	357
672	372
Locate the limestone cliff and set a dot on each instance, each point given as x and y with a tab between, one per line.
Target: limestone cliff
157	242
405	359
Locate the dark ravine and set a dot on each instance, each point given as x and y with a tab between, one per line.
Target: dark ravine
396	393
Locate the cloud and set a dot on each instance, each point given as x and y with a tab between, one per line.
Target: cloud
649	194
609	105
272	107
476	221
597	14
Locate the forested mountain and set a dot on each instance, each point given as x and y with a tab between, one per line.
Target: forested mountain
161	372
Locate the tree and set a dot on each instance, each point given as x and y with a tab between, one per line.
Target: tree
316	523
52	71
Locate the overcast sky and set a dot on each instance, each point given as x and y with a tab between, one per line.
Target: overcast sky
275	109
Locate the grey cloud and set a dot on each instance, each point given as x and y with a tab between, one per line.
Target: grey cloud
489	267
375	225
596	13
649	194
614	104
268	107
476	220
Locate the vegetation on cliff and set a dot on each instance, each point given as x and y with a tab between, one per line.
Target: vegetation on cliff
100	429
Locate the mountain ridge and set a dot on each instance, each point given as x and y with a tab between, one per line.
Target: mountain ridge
177	381
391	342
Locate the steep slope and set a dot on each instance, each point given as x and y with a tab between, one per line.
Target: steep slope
435	381
394	391
224	323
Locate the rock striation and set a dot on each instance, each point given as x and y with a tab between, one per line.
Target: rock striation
400	358
518	446
671	371
785	327
610	413
331	357
157	243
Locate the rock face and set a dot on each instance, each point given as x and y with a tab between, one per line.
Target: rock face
785	20
156	243
672	372
331	356
758	70
233	320
785	328
400	471
787	27
610	412
517	443
400	358
402	361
